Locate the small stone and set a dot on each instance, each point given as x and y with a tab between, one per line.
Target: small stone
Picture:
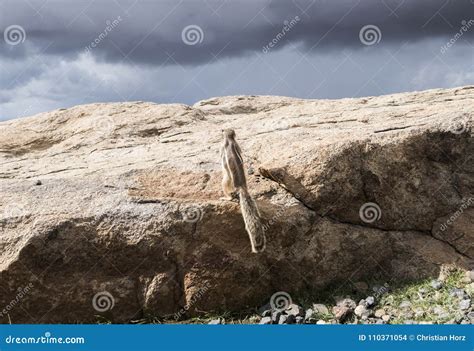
379	321
343	309
385	318
216	321
470	315
438	310
458	318
282	319
319	308
295	310
470	275
267	313
422	291
362	302
291	319
266	320
436	284
360	310
465	322
379	313
347	303
299	320
419	312
38	182
308	314
321	322
459	293
464	304
370	301
405	304
276	316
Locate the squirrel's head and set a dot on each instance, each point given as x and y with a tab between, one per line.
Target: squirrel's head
228	133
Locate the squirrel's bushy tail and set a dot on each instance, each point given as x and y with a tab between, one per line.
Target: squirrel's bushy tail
253	222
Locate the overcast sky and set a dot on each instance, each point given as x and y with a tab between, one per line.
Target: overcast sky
56	54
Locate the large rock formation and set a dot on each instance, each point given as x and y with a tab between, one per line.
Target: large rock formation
114	210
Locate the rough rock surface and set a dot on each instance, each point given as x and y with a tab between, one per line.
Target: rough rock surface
114	210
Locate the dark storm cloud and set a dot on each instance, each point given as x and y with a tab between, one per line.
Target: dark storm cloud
150	32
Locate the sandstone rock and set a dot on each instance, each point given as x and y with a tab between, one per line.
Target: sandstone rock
129	201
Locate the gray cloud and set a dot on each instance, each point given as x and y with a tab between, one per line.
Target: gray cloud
144	57
150	32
